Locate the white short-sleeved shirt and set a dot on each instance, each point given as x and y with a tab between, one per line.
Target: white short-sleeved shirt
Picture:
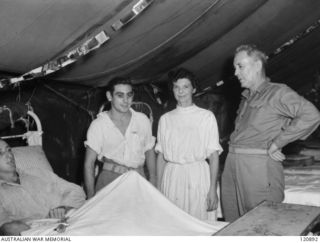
129	149
187	135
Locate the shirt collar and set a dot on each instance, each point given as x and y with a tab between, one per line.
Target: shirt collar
261	87
186	109
106	116
132	123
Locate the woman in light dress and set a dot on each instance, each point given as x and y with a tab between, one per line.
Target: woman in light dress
187	137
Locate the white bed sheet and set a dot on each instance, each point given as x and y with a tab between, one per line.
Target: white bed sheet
302	185
128	206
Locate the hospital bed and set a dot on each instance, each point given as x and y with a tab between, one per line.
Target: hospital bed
130	205
32	155
303	185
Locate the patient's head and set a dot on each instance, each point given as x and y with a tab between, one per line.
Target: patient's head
7	161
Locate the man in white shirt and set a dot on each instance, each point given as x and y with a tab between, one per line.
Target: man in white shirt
120	138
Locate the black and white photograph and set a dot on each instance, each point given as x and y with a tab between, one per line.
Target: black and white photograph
159	118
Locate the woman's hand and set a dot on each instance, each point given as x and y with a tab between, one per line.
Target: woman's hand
212	199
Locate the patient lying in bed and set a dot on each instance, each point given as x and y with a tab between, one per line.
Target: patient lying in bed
130	205
32	194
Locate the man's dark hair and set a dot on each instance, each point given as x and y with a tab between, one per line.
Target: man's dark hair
180	74
118	80
253	51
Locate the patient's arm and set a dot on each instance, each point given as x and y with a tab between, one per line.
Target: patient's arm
65	193
89	177
72	195
13	228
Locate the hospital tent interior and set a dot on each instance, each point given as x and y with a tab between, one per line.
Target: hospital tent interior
57	57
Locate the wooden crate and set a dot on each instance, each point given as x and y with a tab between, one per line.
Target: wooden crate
274	219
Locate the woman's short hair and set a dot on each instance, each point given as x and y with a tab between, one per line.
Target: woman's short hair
180	74
253	51
118	80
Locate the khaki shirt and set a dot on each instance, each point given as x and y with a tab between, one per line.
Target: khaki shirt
274	113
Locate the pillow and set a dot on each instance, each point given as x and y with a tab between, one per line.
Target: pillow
31	157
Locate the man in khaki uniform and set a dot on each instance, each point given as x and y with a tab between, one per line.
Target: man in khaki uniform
270	116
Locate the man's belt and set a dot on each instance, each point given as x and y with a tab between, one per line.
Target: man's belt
247	150
113	166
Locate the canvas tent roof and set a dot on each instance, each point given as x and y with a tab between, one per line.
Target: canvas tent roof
198	34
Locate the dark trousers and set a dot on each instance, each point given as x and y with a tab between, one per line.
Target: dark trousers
105	177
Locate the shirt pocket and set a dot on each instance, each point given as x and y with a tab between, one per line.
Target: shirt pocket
258	113
138	142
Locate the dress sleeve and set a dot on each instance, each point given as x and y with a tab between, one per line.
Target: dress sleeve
94	137
160	131
212	135
305	117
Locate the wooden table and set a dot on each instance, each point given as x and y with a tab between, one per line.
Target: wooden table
274	219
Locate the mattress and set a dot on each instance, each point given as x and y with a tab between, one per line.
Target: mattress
302	185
